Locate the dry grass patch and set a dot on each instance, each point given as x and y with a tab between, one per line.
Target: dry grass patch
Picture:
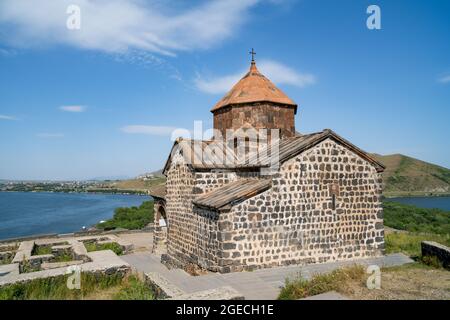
414	281
341	280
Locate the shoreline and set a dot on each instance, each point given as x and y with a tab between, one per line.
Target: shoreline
120	192
419	195
14	230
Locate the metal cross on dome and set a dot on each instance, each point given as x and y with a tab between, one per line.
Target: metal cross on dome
253	54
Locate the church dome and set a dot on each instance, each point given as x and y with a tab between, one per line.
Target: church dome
254	87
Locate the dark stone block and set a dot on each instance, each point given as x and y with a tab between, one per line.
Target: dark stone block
229	246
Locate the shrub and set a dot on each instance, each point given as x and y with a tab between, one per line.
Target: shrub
414	219
130	218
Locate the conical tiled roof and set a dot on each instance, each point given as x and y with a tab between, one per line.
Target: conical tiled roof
254	87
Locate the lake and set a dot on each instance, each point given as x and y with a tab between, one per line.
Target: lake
425	202
26	213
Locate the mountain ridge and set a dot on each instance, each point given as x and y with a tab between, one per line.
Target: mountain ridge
403	176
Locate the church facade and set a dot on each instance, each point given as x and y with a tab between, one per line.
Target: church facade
296	199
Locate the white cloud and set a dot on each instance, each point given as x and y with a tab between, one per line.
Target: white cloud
119	25
73	108
150	130
275	71
444	79
5	117
50	135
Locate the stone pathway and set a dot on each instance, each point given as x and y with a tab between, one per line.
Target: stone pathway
263	284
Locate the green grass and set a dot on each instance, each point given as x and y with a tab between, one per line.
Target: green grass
414	219
113	246
130	218
6	260
432	261
56	288
41	250
321	283
92	285
409	243
65	257
134	289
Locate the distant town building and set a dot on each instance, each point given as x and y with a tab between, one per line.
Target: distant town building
146	176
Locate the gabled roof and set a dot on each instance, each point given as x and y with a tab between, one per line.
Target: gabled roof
195	154
158	191
254	87
231	193
292	146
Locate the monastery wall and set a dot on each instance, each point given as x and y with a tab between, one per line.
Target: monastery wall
296	222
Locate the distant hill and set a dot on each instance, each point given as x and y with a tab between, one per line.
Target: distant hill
404	176
137	184
408	176
158	173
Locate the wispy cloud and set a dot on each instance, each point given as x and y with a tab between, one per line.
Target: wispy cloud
275	71
150	130
5	117
119	25
73	108
444	79
50	135
7	52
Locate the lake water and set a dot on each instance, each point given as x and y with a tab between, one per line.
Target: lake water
25	213
425	202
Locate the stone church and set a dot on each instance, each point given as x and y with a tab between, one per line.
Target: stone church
320	203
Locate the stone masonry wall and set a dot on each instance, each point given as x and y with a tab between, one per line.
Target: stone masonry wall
295	222
258	115
191	235
434	249
159	232
210	180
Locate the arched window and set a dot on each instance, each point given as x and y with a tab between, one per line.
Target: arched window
161	214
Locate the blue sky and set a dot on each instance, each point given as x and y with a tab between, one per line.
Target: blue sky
70	100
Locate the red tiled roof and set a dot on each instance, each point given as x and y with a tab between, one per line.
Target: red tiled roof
254	87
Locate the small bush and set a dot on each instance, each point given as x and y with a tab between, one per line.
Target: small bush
414	219
130	218
321	283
